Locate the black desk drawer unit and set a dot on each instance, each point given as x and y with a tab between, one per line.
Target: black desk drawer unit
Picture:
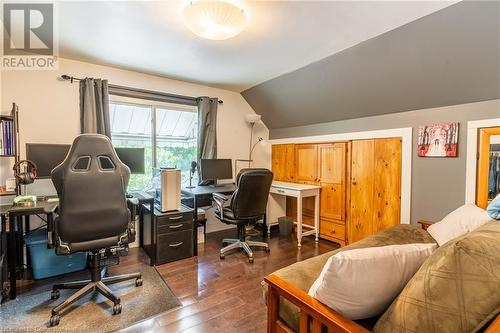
175	219
174	235
175	227
175	245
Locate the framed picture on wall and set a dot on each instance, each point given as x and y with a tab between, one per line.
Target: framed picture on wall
438	140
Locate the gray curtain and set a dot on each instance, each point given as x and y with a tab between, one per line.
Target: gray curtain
207	129
94	106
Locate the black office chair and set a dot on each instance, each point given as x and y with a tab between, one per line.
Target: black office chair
93	216
247	206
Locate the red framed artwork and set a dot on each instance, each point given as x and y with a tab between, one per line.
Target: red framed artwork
438	140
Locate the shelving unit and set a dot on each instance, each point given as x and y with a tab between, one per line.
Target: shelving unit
14	117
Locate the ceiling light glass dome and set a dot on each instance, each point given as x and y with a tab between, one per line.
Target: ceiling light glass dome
214	19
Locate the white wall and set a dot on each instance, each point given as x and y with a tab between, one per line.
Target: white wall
49	110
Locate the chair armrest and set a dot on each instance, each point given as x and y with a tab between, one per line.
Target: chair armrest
133	206
50	230
310	308
218	196
220	199
133	201
49	210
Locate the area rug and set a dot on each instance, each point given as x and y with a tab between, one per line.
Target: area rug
29	313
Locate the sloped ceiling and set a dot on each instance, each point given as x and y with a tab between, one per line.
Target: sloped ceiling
281	36
449	57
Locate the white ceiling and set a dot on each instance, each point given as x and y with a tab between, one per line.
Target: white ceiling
281	36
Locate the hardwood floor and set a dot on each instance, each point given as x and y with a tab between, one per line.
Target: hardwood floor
216	295
225	295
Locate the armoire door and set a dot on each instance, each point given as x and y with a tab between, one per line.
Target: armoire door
306	163
283	162
362	187
375	200
331	175
387	183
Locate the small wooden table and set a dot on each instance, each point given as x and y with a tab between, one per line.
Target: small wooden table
278	193
425	224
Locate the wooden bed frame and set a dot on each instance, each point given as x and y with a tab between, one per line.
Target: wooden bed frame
314	315
311	310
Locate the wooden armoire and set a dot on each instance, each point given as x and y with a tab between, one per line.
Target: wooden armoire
360	184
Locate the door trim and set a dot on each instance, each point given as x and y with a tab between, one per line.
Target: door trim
471	161
404	133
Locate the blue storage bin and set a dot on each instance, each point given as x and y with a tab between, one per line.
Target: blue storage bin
45	263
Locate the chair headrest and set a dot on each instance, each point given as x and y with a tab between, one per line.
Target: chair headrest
253	170
90	153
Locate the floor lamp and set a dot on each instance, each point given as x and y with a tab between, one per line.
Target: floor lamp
249	161
252	118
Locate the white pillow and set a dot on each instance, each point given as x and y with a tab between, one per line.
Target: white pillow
362	283
459	222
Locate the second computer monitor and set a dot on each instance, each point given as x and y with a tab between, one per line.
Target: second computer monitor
216	169
133	158
46	156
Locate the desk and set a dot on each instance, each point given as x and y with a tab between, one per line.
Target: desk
11	222
145	199
277	195
201	196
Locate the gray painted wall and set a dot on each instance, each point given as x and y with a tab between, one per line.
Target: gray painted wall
447	58
438	184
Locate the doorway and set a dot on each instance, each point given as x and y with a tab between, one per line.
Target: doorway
488	165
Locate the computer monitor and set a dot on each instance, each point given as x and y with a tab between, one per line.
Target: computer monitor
215	169
133	158
46	156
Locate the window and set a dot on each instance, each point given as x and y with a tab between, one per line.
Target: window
175	137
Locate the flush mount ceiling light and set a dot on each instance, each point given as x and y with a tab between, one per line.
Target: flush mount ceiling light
214	19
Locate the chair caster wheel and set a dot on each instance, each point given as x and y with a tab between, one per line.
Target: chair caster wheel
138	282
250	260
222	256
117	309
54	320
54	294
268	250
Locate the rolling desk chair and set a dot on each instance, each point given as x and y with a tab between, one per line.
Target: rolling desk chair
93	215
247	206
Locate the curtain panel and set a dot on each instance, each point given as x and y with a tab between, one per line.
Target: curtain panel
207	130
94	107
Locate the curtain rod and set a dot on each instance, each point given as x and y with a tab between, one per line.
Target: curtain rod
72	78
